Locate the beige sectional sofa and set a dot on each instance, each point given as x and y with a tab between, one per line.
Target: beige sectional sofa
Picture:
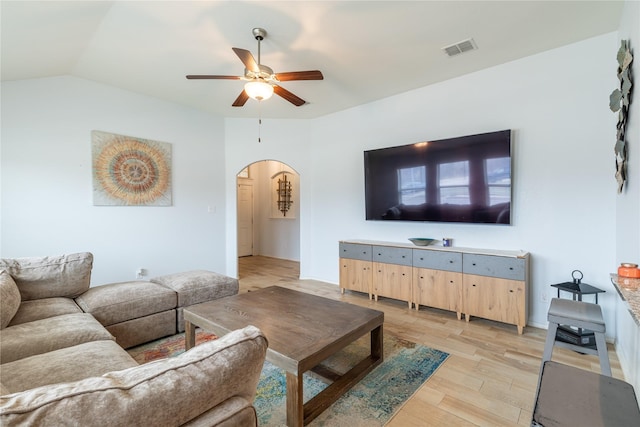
62	365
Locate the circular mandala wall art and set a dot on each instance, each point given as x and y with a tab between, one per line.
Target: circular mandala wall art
130	171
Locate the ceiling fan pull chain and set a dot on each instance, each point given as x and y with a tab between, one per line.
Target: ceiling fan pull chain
259	120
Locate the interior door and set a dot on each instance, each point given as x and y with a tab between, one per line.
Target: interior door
245	219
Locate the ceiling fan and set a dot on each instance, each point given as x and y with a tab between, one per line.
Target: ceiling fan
262	82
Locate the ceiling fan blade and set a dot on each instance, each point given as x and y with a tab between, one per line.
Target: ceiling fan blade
241	99
247	59
295	100
300	75
204	76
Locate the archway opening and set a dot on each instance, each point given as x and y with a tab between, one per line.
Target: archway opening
268	218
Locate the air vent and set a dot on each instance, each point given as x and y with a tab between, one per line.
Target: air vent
460	47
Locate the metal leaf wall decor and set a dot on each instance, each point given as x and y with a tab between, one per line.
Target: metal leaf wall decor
619	102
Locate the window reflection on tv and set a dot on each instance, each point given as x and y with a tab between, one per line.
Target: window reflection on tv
464	179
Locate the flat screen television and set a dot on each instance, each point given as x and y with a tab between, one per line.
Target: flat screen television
464	179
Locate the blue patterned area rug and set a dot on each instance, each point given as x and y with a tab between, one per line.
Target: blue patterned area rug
371	402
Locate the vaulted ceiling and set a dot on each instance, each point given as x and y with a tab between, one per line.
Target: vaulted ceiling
367	50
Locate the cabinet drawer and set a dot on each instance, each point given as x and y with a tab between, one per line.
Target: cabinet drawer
355	251
436	260
494	266
391	255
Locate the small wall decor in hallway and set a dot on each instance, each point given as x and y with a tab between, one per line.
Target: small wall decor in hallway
282	184
129	171
619	101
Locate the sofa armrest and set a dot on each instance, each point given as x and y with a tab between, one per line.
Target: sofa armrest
171	391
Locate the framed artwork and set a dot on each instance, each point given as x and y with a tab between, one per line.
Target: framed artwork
129	171
282	184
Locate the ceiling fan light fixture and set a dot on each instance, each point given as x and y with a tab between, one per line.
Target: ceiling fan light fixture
258	90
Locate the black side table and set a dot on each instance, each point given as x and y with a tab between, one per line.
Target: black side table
577	336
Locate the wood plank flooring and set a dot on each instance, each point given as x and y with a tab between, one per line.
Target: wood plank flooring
489	379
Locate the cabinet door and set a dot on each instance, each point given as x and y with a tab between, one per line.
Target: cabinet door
492	298
355	275
393	281
438	288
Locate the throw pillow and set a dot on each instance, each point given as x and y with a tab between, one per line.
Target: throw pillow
9	298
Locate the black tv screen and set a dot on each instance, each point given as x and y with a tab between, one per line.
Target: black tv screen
464	179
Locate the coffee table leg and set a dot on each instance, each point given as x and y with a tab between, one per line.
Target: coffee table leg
377	336
189	335
295	410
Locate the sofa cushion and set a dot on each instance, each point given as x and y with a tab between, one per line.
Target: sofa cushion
119	302
9	299
198	286
171	391
44	308
54	276
42	336
144	329
90	359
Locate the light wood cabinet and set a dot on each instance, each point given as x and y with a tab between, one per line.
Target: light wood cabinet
356	268
497	299
355	275
491	284
438	288
392	281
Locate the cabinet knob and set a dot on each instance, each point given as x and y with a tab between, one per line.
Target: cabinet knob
511	268
473	263
421	259
451	281
450	261
474	285
510	290
422	277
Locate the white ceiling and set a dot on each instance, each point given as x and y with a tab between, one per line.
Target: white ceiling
367	50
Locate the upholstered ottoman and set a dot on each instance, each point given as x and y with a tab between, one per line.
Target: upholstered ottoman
133	312
194	287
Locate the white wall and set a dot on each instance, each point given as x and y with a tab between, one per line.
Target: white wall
564	189
47	182
628	205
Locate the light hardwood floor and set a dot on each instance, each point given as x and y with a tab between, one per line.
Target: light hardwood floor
490	377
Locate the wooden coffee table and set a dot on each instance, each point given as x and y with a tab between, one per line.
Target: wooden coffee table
303	330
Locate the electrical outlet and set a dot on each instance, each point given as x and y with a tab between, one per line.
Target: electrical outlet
544	296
